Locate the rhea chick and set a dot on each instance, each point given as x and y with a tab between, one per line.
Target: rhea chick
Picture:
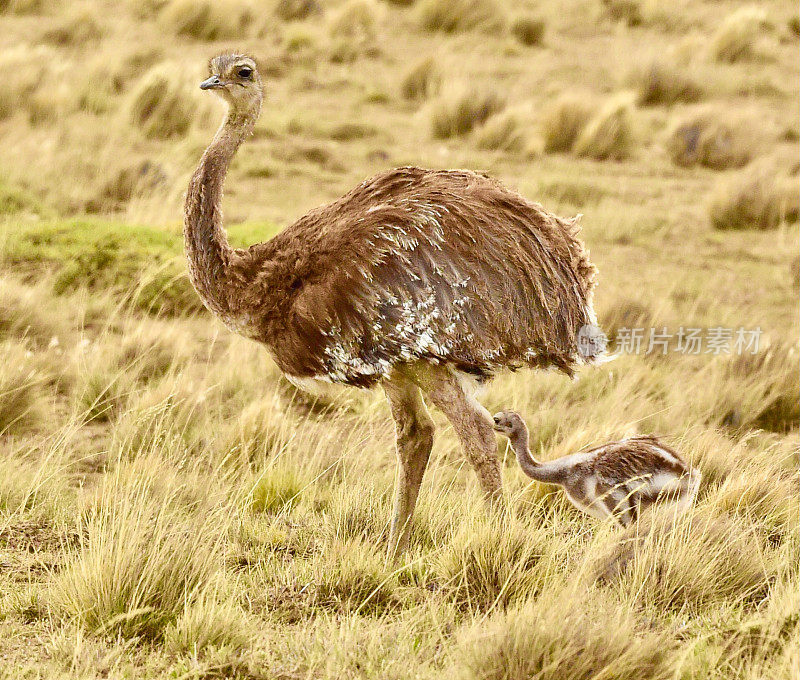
618	479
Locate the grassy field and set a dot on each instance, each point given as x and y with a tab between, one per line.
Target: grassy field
171	507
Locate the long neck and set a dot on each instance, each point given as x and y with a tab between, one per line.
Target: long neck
206	243
541	472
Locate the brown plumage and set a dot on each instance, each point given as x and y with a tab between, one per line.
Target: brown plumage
414	278
618	479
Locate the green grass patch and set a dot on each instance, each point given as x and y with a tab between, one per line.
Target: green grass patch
144	265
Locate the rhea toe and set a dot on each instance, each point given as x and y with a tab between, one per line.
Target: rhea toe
618	479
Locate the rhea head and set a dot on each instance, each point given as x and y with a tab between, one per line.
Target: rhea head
234	78
510	424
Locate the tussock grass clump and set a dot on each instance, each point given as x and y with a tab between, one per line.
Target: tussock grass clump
563	121
704	139
561	636
22	79
755	199
278	488
160	107
208	19
421	81
355	20
208	622
764	498
144	554
21	406
78	28
529	30
25	6
353	30
354	576
501	133
358	514
608	135
453	16
628	11
686	563
27	313
736	38
130	181
455	114
768	403
487	565
15	200
294	10
660	82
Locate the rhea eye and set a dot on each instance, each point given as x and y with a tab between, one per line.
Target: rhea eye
245	72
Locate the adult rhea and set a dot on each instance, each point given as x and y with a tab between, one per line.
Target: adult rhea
415	280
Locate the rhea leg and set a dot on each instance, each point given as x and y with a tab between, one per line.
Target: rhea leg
414	429
472	423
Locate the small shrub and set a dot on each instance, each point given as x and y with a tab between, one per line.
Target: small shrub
736	38
629	11
563	121
456	115
160	107
703	139
794	25
454	16
609	135
661	83
529	30
501	133
755	199
292	10
421	81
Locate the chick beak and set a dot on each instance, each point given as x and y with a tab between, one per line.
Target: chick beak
211	83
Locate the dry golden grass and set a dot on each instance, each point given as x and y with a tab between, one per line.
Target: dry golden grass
563	121
703	139
528	29
754	199
171	507
738	34
452	16
458	111
661	82
609	134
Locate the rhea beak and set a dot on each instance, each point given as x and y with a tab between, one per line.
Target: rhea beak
211	83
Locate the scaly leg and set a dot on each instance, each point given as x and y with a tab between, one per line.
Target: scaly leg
470	420
414	429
